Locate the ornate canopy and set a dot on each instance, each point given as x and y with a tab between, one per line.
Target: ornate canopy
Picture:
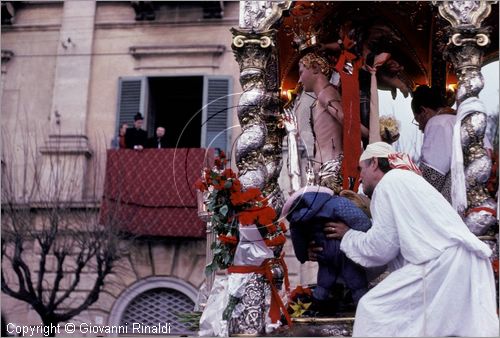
415	32
439	43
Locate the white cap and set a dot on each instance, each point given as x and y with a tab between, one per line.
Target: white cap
377	149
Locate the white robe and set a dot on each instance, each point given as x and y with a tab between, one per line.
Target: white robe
437	145
442	281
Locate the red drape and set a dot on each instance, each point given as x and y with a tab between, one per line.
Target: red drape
151	192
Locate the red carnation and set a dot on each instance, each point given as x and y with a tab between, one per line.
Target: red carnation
201	185
266	215
248	217
283	227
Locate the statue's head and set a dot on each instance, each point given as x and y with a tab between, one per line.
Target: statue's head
315	59
311	66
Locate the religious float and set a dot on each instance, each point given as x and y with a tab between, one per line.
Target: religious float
440	44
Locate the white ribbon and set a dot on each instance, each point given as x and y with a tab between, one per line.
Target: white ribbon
374	130
458	187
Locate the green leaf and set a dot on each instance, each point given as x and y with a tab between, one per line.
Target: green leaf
224	210
228	184
210	268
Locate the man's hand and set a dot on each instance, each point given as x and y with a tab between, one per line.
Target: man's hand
313	251
335	230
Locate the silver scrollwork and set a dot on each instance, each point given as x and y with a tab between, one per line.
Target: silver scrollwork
239	41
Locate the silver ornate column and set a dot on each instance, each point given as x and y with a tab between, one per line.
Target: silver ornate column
258	149
465	51
256	106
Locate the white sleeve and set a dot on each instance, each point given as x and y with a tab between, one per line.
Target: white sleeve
380	244
436	149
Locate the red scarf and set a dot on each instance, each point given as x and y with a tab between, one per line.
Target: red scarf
277	307
352	121
403	161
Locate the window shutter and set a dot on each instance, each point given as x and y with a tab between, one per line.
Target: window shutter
215	131
129	100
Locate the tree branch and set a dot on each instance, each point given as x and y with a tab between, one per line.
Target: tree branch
104	267
60	256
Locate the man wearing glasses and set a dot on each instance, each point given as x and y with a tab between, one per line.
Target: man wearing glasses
436	120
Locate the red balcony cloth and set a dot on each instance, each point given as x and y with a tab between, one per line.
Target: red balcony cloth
151	192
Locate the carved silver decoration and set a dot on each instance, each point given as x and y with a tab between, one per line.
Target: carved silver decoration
464	50
261	15
492	242
464	13
480	221
322	327
339	330
258	149
252	320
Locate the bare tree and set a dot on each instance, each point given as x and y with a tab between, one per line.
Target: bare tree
55	253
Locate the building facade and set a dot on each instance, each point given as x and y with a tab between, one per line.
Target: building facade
72	73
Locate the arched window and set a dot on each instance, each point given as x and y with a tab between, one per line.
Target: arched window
158	306
152	302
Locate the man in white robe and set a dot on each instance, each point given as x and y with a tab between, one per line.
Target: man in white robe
441	282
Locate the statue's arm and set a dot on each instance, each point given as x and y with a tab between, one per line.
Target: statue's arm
290	122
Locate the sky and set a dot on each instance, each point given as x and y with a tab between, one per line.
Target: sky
411	138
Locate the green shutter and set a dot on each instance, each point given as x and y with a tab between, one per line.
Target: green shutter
215	132
129	100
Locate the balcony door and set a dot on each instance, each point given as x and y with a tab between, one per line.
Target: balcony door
192	109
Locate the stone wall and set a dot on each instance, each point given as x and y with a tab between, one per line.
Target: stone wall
180	260
59	89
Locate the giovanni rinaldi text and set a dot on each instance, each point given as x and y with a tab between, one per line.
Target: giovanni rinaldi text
83	328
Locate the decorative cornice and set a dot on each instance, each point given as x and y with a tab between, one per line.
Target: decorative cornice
188	50
48	205
67	145
31	28
163	23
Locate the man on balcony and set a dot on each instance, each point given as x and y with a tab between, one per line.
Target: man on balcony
159	141
136	137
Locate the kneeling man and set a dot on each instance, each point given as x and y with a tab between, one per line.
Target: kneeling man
441	282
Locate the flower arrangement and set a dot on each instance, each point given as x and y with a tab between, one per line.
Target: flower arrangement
229	205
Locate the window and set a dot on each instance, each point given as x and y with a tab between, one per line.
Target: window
154	300
192	109
159	305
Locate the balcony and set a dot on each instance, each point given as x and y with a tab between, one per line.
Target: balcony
151	192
